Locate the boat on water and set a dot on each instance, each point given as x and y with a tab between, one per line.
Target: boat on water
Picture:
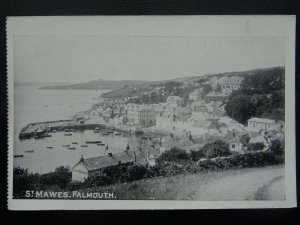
49	147
46	135
109	132
105	134
66	130
54	131
72	130
65	145
74	143
97	128
68	134
72	148
96	131
117	133
29	151
84	146
18	156
93	142
100	144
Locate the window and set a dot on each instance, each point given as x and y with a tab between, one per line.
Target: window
232	145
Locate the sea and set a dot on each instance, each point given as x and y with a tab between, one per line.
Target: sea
34	105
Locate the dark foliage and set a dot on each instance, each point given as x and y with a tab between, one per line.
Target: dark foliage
261	95
252	147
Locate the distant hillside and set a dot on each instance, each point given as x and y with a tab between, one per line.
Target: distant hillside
40	84
138	90
97	85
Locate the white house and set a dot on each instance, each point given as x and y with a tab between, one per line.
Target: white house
235	145
258	124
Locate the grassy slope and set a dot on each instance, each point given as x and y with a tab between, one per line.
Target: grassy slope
244	184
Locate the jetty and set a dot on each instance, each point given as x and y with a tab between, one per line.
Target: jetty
72	125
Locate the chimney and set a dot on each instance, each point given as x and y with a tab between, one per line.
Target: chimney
110	154
81	159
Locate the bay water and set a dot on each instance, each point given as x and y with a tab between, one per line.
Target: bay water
34	105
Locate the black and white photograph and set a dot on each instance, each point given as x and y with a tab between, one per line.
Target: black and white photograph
172	111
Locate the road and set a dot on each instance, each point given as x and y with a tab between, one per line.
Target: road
254	184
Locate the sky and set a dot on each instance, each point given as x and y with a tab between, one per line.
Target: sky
73	59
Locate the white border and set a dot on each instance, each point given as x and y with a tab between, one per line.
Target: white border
213	26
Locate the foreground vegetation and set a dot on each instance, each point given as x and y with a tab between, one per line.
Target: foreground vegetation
172	162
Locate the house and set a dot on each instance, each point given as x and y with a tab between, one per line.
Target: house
141	115
175	101
258	124
90	167
196	95
215	97
235	145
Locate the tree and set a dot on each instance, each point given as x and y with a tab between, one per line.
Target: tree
215	149
174	154
218	88
252	147
240	108
206	88
277	146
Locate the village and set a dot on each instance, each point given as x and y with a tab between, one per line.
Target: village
178	122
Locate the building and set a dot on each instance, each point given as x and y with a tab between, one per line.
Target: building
175	101
215	97
141	115
196	95
261	124
235	145
90	167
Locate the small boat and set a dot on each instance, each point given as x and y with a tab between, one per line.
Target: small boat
100	144
74	143
29	151
68	134
93	142
46	135
18	156
110	132
97	128
54	131
66	146
66	130
49	147
96	131
72	130
72	148
105	134
117	133
84	146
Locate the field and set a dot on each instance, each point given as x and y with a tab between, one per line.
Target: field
246	184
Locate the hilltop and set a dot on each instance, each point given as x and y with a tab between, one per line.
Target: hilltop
96	85
177	86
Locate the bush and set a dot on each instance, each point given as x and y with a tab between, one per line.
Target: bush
252	147
22	181
173	155
215	149
60	178
277	146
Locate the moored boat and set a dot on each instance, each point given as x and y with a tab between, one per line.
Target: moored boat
72	148
66	146
100	144
29	151
74	143
18	156
68	134
49	147
84	146
93	142
117	133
